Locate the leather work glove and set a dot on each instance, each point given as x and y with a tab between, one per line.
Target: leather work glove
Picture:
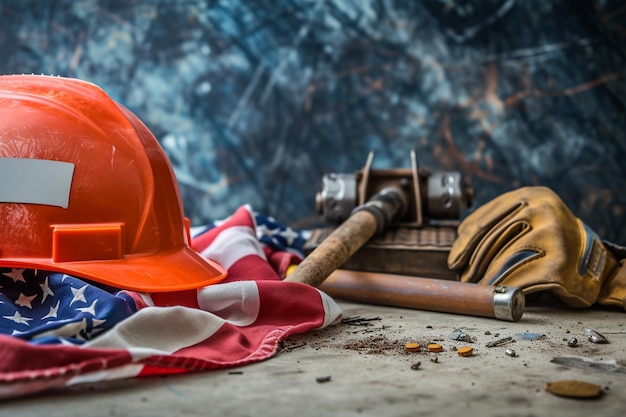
529	239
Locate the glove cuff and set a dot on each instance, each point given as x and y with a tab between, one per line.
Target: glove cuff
613	292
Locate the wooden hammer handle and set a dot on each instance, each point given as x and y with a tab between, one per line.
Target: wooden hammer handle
342	243
445	296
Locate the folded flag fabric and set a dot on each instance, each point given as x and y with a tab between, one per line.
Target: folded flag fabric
57	330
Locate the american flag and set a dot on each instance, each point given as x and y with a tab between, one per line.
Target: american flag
58	330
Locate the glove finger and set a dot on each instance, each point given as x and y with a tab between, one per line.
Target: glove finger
491	247
488	219
507	269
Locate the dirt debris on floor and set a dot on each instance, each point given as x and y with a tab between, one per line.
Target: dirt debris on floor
374	336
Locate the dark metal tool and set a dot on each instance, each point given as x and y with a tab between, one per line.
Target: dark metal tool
374	217
419	242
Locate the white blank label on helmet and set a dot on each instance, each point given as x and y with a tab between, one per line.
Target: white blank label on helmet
35	181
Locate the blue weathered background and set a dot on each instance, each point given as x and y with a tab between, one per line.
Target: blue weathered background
255	100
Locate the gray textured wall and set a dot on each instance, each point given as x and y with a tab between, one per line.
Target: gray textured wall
255	100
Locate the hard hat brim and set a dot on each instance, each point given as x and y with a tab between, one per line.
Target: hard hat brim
179	270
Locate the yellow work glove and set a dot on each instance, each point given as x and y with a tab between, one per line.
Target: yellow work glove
529	239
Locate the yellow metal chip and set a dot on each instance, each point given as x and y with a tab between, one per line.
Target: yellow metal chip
465	351
435	347
412	347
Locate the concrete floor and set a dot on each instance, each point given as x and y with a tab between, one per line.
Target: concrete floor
370	372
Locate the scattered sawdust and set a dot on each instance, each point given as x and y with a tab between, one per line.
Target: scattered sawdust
363	335
377	345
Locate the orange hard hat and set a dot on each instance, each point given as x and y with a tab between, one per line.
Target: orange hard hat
86	190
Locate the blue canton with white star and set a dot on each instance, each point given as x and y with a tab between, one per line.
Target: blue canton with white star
47	307
278	236
271	233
